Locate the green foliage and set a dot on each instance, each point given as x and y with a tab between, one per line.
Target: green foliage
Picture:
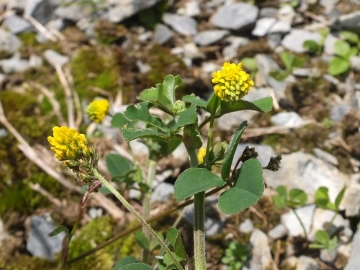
344	49
323	241
125	261
195	180
153	15
250	64
134	266
290	61
314	47
236	255
295	198
144	242
322	199
248	188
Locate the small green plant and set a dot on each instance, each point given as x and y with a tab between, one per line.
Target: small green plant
292	199
323	241
250	64
344	49
315	47
290	61
236	255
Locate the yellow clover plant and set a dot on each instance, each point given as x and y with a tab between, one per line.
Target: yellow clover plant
97	110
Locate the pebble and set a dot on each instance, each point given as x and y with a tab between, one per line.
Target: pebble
16	24
354	260
247	226
292	224
338	112
9	42
263	26
14	64
329	44
206	38
279	231
230	51
295	39
350	21
186	26
286	119
55	59
162	192
162	34
325	156
39	244
239	16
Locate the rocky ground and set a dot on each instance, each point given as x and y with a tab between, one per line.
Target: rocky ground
115	49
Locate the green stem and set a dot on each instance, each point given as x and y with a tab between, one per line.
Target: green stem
331	222
301	223
137	216
147	205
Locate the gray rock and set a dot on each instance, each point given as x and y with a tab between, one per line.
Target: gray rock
9	42
325	156
286	14
52	25
322	217
286	119
143	68
351	200
329	45
295	39
73	12
40	10
265	152
209	37
261	255
162	192
39	244
183	25
268	12
16	24
279	231
119	10
95	212
3	133
228	121
192	51
274	39
263	26
162	34
55	59
191	9
354	260
239	16
328	257
338	112
331	79
230	51
307	72
35	61
350	21
328	5
307	263
266	64
16	4
293	225
306	172
280	27
14	64
355	62
258	93
247	226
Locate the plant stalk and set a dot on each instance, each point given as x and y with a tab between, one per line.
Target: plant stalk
301	223
137	216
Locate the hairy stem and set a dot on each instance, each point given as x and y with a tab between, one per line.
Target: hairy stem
137	216
301	223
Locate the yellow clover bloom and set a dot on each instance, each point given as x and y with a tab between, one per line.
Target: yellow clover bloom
69	144
201	154
231	82
97	110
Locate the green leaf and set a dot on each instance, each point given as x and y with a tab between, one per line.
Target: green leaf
280	199
260	105
342	48
247	190
279	75
142	240
349	36
195	180
150	95
288	59
316	246
140	112
212	102
322	199
332	243
299	61
192	137
322	237
119	120
185	118
338	66
195	100
229	155
174	237
339	198
311	46
135	266
297	197
117	165
130	134
58	230
124	261
249	63
353	52
166	91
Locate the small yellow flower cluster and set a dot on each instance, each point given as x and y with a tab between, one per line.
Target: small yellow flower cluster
231	83
69	144
201	154
97	110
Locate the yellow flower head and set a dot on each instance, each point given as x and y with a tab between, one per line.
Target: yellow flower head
201	154
231	82
69	144
97	110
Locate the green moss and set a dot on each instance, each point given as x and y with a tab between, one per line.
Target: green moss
93	67
26	262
